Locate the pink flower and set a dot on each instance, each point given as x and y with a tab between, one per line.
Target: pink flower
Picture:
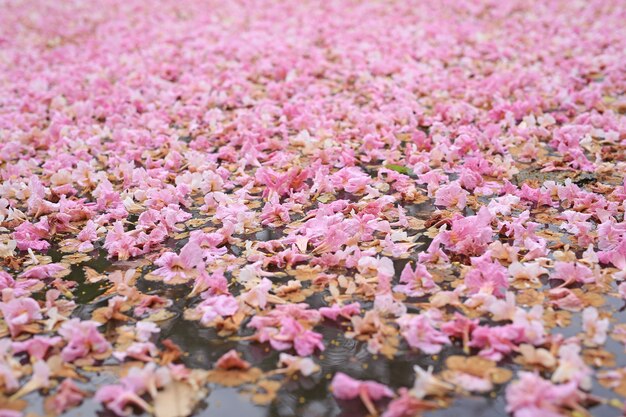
283	328
41	374
274	214
417	282
31	236
500	309
213	284
120	399
36	347
612	243
286	258
183	265
67	396
235	214
43	271
19	288
539	196
18	313
86	236
460	327
616	256
487	275
432	178
451	195
351	179
120	243
520	228
468	235
502	205
9	369
381	266
532	395
387	305
166	195
217	306
209	243
281	184
347	388
420	333
305	342
171	215
572	272
83	339
577	224
498	341
283	338
257	296
206	240
151	304
335	311
344	139
470	179
565	299
147	379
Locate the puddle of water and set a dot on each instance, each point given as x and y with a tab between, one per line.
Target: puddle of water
303	397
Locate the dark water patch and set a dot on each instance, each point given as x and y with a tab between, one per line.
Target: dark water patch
269	234
421	210
223	402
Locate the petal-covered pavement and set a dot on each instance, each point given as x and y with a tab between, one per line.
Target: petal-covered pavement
312	208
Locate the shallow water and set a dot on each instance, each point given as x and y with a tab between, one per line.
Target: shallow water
300	397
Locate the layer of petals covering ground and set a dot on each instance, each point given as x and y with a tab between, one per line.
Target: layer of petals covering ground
303	208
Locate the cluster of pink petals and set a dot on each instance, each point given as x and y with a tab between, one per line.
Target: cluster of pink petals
285	327
83	339
69	395
214	306
532	395
451	195
182	265
347	388
487	275
498	341
336	311
421	332
20	312
467	235
36	347
416	282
